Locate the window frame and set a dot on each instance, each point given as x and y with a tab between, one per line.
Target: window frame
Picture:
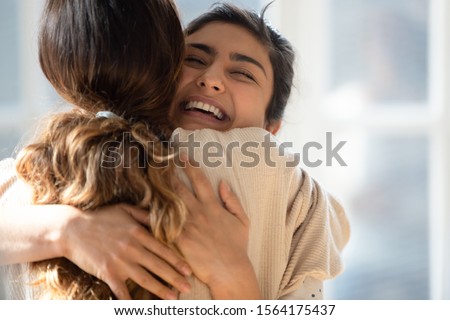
439	35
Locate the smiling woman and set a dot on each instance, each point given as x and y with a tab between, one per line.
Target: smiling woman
228	68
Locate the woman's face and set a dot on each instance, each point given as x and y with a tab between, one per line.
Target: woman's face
227	80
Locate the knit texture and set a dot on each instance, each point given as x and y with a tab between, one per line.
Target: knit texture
15	278
297	229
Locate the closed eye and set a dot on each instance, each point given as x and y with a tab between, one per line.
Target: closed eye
193	61
245	74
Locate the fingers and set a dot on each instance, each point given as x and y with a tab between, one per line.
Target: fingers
146	258
163	271
185	194
232	202
114	246
151	273
152	244
162	261
159	249
138	214
169	255
119	289
142	278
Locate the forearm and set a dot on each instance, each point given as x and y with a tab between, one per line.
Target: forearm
32	233
109	243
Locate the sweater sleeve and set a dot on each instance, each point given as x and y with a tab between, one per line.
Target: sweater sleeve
310	289
7	178
13	277
13	191
320	230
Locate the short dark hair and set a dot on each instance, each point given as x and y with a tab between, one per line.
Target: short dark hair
281	52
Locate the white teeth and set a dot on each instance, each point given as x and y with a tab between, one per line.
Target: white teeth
205	107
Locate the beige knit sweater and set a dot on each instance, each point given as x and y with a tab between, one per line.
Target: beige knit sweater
297	230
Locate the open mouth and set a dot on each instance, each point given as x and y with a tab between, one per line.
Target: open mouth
204	108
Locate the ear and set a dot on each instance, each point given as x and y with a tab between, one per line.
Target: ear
273	126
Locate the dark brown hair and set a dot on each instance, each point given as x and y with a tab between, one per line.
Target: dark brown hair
281	52
122	56
113	55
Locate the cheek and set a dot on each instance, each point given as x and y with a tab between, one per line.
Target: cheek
252	108
187	76
184	80
255	103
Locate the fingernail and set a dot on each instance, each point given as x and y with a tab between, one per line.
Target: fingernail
184	157
186	270
171	296
185	287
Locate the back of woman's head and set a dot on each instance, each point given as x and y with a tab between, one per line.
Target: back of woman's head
121	56
117	55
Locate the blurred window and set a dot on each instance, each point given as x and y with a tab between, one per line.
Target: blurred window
9	55
379	53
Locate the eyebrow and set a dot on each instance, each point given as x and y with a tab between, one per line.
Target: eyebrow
203	47
234	56
244	58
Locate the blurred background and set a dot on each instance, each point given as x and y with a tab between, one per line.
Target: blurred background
374	73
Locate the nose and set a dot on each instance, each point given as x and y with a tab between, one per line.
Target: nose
211	81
